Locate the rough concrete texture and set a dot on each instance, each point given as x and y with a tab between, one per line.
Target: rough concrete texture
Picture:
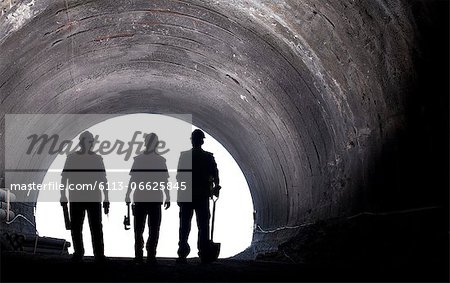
319	102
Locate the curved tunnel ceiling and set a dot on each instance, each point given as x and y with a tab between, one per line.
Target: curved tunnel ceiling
298	92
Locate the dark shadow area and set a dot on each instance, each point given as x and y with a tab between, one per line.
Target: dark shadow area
405	224
58	268
397	247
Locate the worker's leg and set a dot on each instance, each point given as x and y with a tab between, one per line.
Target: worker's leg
95	223
77	213
186	213
202	216
140	214
154	222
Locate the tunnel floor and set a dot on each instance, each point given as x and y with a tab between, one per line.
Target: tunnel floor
19	267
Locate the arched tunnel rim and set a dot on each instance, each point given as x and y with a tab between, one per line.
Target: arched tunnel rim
293	96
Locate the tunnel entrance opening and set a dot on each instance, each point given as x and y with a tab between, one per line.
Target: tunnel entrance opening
234	219
311	106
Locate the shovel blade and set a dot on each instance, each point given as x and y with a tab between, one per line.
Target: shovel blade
212	254
215	250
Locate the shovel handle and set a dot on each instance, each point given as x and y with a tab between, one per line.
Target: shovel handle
213	218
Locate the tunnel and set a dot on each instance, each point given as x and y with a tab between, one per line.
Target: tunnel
336	111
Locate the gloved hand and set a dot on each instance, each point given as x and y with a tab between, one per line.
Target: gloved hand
215	190
63	200
167	205
106	207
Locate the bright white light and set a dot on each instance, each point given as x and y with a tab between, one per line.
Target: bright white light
234	212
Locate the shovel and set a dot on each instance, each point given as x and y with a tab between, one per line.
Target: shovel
214	248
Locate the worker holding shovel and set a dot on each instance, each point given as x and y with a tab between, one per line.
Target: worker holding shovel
198	169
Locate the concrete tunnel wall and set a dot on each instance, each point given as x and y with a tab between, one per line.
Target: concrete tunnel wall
304	95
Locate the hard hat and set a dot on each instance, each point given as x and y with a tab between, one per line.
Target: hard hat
87	136
197	134
153	138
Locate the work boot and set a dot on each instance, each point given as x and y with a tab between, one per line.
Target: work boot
151	260
138	260
181	260
138	257
206	260
100	259
77	257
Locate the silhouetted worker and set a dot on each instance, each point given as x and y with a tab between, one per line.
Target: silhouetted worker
204	175
148	180
83	174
